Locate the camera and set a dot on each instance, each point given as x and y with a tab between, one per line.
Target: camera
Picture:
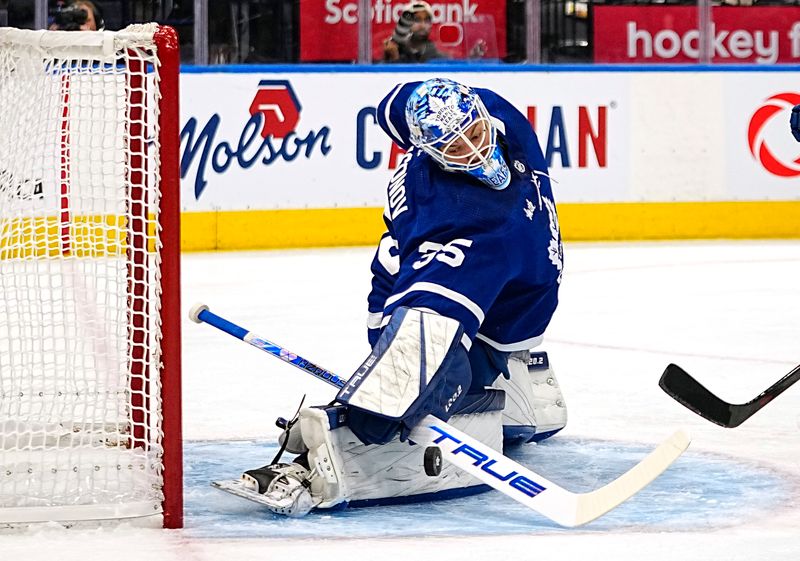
402	31
71	18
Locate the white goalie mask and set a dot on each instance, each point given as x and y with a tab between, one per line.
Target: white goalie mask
449	121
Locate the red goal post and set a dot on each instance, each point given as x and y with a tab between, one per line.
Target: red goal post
90	387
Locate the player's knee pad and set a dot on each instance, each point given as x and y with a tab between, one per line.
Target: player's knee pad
535	407
347	471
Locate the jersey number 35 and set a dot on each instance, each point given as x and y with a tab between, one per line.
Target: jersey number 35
449	253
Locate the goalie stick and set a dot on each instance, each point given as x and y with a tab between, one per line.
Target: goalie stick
486	464
683	388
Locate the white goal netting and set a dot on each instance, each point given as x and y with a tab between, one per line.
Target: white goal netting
80	272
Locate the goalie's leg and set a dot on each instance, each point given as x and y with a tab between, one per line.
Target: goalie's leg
535	407
336	469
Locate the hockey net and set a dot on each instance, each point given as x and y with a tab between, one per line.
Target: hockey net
89	258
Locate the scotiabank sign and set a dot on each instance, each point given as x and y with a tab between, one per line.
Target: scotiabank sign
329	28
669	34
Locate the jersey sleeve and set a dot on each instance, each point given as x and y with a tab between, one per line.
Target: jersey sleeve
392	114
384	268
515	123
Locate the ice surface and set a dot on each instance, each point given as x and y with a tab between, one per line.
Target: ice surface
693	494
728	312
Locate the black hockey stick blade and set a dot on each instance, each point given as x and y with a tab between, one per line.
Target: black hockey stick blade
682	387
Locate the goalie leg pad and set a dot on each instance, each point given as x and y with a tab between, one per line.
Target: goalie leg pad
347	471
329	488
535	407
291	438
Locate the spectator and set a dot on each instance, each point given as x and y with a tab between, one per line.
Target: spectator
411	42
78	15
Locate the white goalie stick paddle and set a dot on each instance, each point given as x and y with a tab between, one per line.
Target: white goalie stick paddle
534	491
487	464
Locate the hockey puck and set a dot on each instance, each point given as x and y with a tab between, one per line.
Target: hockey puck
433	461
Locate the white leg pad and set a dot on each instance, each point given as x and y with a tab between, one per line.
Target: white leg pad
351	471
533	396
323	455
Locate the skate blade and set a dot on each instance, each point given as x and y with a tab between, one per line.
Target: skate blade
237	487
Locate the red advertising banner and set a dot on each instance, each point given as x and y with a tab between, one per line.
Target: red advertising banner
329	28
669	34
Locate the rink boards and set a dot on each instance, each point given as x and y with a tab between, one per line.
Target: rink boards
293	157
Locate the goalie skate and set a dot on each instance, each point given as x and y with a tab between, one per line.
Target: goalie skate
282	488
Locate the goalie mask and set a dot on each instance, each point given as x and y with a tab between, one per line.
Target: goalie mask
450	122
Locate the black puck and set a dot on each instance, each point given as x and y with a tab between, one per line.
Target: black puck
433	461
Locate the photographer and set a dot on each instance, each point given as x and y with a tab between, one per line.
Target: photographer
78	15
410	41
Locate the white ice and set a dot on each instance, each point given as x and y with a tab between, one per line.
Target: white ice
725	311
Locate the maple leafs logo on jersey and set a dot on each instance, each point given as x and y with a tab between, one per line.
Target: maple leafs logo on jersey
529	209
535	180
555	250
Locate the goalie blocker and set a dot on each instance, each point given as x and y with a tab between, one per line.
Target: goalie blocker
356	453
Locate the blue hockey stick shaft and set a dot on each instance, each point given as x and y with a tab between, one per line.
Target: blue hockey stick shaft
201	314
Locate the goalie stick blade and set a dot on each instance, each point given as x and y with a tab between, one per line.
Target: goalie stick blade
681	386
536	492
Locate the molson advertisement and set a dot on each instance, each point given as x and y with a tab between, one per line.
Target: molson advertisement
297	159
312	140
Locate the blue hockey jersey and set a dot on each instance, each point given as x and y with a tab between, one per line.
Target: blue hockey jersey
490	259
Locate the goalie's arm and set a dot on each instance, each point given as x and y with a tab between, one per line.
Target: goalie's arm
392	114
384	268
